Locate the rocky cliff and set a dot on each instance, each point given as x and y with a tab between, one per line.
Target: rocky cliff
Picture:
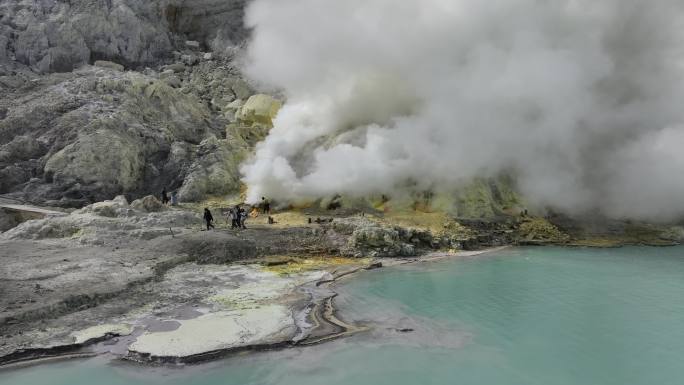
107	97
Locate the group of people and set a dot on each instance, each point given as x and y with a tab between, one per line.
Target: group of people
236	215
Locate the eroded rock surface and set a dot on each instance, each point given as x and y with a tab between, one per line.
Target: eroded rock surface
60	36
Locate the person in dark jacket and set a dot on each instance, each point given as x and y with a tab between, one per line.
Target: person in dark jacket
164	197
208	218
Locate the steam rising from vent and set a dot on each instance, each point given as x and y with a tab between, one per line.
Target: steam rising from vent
581	100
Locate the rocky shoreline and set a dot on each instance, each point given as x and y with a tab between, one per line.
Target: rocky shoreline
178	340
143	282
317	312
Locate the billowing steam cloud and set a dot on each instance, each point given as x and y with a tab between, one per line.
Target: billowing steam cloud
581	100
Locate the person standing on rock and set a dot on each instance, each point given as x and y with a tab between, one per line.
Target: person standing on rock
208	218
164	197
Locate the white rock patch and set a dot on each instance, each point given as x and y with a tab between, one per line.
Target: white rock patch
220	331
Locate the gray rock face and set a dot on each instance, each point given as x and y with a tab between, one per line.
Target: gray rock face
59	36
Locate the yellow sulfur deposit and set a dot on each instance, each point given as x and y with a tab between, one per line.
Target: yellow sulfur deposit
285	265
259	109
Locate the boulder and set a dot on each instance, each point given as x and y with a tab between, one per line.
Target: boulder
148	204
109	65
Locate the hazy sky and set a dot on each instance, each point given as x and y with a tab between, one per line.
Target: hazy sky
581	100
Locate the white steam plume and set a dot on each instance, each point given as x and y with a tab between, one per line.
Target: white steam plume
581	100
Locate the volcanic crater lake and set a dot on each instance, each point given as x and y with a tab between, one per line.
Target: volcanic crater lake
518	316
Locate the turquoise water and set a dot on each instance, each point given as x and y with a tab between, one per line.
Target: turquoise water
522	316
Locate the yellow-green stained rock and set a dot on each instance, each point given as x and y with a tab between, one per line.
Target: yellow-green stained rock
539	230
259	109
105	156
486	198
